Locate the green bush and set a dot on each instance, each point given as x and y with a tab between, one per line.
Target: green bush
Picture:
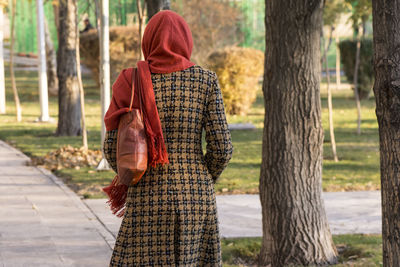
238	70
348	50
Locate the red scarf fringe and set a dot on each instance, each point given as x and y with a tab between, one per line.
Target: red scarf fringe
117	194
156	151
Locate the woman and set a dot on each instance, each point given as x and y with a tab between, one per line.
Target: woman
170	217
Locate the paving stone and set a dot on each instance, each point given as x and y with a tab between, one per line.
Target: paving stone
240	215
241	126
42	222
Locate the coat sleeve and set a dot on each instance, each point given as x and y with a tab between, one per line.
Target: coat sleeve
219	147
110	148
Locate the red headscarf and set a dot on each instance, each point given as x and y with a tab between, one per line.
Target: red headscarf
167	46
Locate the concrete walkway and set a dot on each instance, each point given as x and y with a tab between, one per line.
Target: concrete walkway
44	223
240	215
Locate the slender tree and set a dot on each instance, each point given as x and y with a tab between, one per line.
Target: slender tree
51	62
338	75
295	227
332	12
330	105
55	4
361	12
69	102
13	83
142	23
81	91
355	83
386	60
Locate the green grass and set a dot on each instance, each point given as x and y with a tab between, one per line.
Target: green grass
354	250
358	168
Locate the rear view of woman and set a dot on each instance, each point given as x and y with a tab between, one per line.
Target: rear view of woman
170	217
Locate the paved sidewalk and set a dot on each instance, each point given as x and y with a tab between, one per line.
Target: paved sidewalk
240	215
42	222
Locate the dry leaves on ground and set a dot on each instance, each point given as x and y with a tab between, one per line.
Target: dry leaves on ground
68	157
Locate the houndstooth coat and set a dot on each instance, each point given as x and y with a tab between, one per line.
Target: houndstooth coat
171	215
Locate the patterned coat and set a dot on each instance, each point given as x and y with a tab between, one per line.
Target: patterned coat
171	215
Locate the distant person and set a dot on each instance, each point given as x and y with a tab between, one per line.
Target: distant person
170	217
88	26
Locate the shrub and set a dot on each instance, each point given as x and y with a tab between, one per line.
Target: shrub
238	70
124	50
348	50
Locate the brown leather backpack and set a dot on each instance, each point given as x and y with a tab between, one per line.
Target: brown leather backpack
131	144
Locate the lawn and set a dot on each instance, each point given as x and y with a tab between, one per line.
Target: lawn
358	168
354	250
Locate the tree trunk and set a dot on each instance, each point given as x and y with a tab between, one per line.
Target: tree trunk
153	6
81	92
355	83
387	94
69	106
142	24
330	106
338	75
51	62
295	228
56	17
97	13
13	84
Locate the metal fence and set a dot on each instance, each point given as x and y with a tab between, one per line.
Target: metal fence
122	12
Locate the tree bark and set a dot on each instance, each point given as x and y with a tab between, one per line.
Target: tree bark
355	83
386	33
13	83
153	6
51	61
69	109
295	228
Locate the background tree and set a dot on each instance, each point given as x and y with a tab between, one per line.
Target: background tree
80	84
361	11
386	33
295	227
13	83
153	6
69	106
332	13
51	62
142	23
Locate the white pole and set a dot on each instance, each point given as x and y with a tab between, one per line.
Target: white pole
2	79
104	72
43	94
